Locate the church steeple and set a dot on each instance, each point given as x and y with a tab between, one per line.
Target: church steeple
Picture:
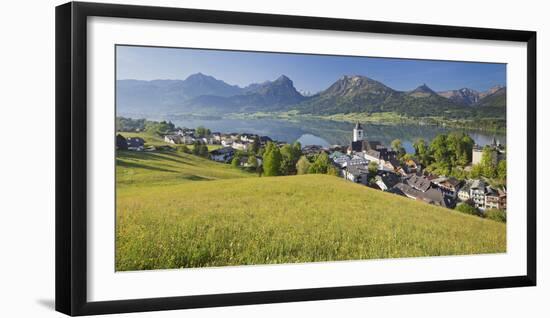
358	132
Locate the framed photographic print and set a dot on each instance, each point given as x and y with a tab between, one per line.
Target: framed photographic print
209	158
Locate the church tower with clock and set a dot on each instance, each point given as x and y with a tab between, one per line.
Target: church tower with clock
358	132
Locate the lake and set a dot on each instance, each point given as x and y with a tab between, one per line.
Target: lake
327	132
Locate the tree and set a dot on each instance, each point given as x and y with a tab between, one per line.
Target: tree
466	208
397	146
302	166
407	156
459	173
440	168
320	165
501	170
261	151
268	147
449	152
286	160
256	145
236	161
202	132
488	162
467	146
196	147
495	215
458	149
272	160
159	128
183	148
464	158
297	149
477	171
373	168
203	151
439	150
333	171
129	124
200	149
252	162
453	146
290	156
422	152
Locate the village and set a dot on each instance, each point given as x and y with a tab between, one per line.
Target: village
366	162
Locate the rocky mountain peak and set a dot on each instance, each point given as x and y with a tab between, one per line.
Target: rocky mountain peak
422	91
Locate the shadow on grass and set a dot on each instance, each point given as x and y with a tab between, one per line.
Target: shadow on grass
171	156
126	164
156	156
196	178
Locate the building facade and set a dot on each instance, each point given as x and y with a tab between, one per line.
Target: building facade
358	132
477	194
495	199
498	152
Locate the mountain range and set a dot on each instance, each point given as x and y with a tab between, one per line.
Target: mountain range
200	93
267	96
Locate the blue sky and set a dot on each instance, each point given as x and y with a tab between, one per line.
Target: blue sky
308	72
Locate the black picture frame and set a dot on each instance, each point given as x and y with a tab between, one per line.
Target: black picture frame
71	157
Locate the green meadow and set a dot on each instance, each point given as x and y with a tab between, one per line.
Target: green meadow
177	210
150	170
155	140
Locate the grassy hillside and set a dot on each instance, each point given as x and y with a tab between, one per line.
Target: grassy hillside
152	169
168	219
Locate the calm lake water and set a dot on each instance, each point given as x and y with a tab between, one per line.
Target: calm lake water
326	132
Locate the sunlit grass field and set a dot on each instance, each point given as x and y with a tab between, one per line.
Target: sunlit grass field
151	169
177	210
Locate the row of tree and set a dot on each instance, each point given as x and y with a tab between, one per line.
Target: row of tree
449	154
252	162
129	124
289	160
154	127
149	126
159	128
199	149
201	131
491	214
489	168
281	161
445	153
319	164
